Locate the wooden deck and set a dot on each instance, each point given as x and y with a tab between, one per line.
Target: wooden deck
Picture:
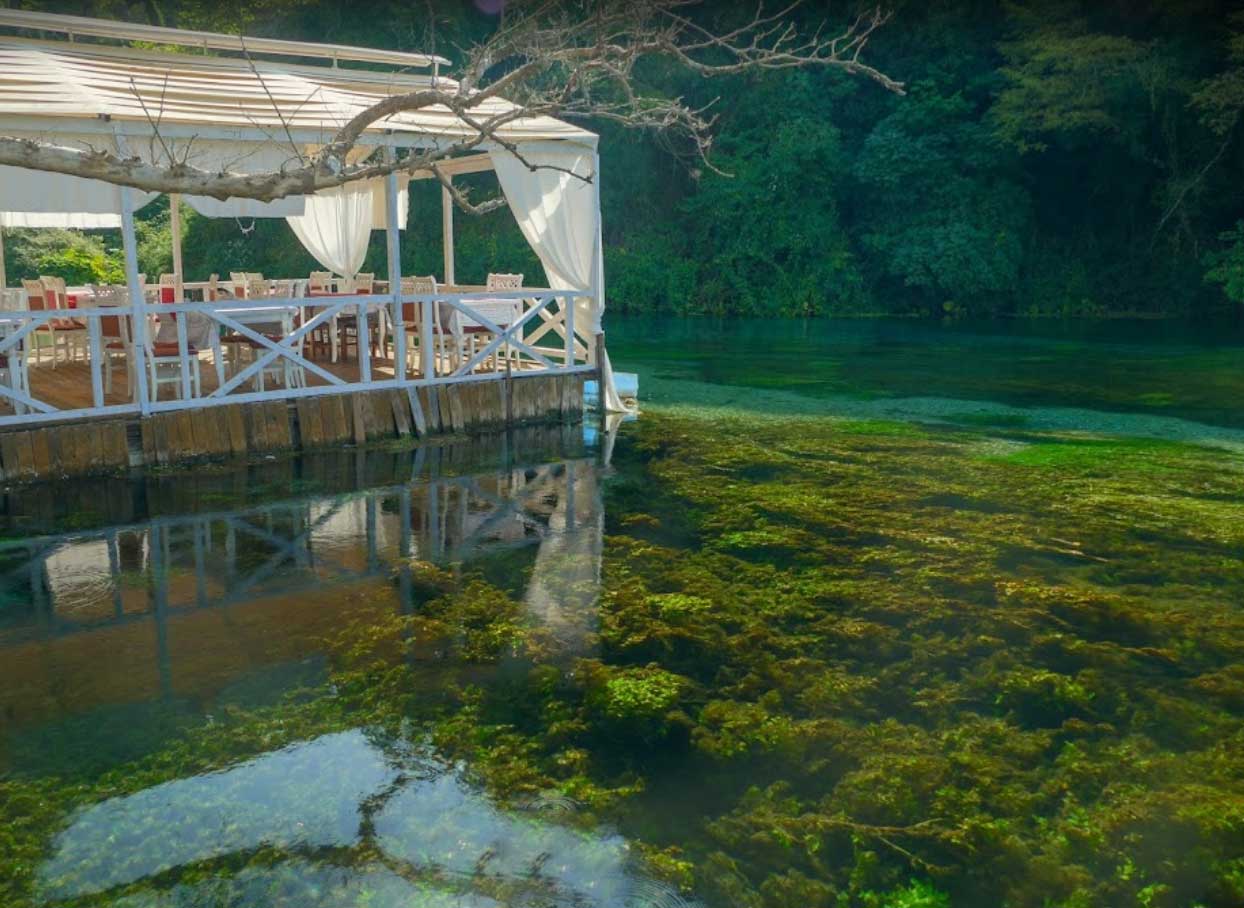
106	444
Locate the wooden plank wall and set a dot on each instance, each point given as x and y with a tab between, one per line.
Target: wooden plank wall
305	423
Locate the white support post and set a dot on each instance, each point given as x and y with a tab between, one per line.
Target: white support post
4	285
598	277
138	301
394	239
174	208
568	305
362	339
447	233
427	354
97	364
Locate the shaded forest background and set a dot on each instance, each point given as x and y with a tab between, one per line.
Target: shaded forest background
1050	158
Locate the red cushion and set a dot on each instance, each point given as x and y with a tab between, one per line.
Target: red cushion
170	348
167	294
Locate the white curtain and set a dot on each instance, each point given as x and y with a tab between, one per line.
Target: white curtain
556	209
336	224
335	227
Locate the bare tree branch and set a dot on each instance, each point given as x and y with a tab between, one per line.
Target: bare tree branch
547	58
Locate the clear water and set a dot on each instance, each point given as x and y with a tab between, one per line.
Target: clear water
856	614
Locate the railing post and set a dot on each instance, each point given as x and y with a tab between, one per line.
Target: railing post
427	358
447	233
363	339
97	379
174	223
138	302
394	238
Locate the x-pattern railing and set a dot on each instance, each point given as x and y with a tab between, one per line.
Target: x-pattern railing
543	312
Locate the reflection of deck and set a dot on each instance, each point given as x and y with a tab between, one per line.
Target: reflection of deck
179	606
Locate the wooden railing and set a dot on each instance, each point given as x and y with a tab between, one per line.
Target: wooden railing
523	347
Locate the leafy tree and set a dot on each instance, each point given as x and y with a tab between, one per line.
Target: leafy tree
945	218
1227	265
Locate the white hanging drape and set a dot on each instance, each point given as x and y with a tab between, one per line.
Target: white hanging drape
335	227
556	206
336	224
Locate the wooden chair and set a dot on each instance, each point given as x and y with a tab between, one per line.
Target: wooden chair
412	322
167	354
290	374
324	337
115	337
502	313
168	288
239	281
347	322
64	333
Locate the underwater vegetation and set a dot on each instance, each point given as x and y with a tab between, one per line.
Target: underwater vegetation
836	664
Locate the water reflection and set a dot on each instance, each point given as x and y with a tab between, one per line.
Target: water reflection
179	595
343	814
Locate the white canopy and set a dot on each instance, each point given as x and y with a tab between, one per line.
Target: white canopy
68	87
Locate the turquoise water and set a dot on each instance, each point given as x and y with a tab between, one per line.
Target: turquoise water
859	613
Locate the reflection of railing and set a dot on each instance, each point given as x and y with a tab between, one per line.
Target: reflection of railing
217	559
524	341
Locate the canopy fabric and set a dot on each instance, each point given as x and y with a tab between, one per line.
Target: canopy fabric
250	157
335	227
555	205
65	219
37	198
68	85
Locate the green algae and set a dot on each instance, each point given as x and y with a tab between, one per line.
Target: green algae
851	665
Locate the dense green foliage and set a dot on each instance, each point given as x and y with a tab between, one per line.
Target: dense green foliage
1049	158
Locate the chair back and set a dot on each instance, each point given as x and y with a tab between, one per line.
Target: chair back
363	281
168	288
36	298
113	327
256	288
414	286
504	282
320	281
213	288
238	279
54	291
